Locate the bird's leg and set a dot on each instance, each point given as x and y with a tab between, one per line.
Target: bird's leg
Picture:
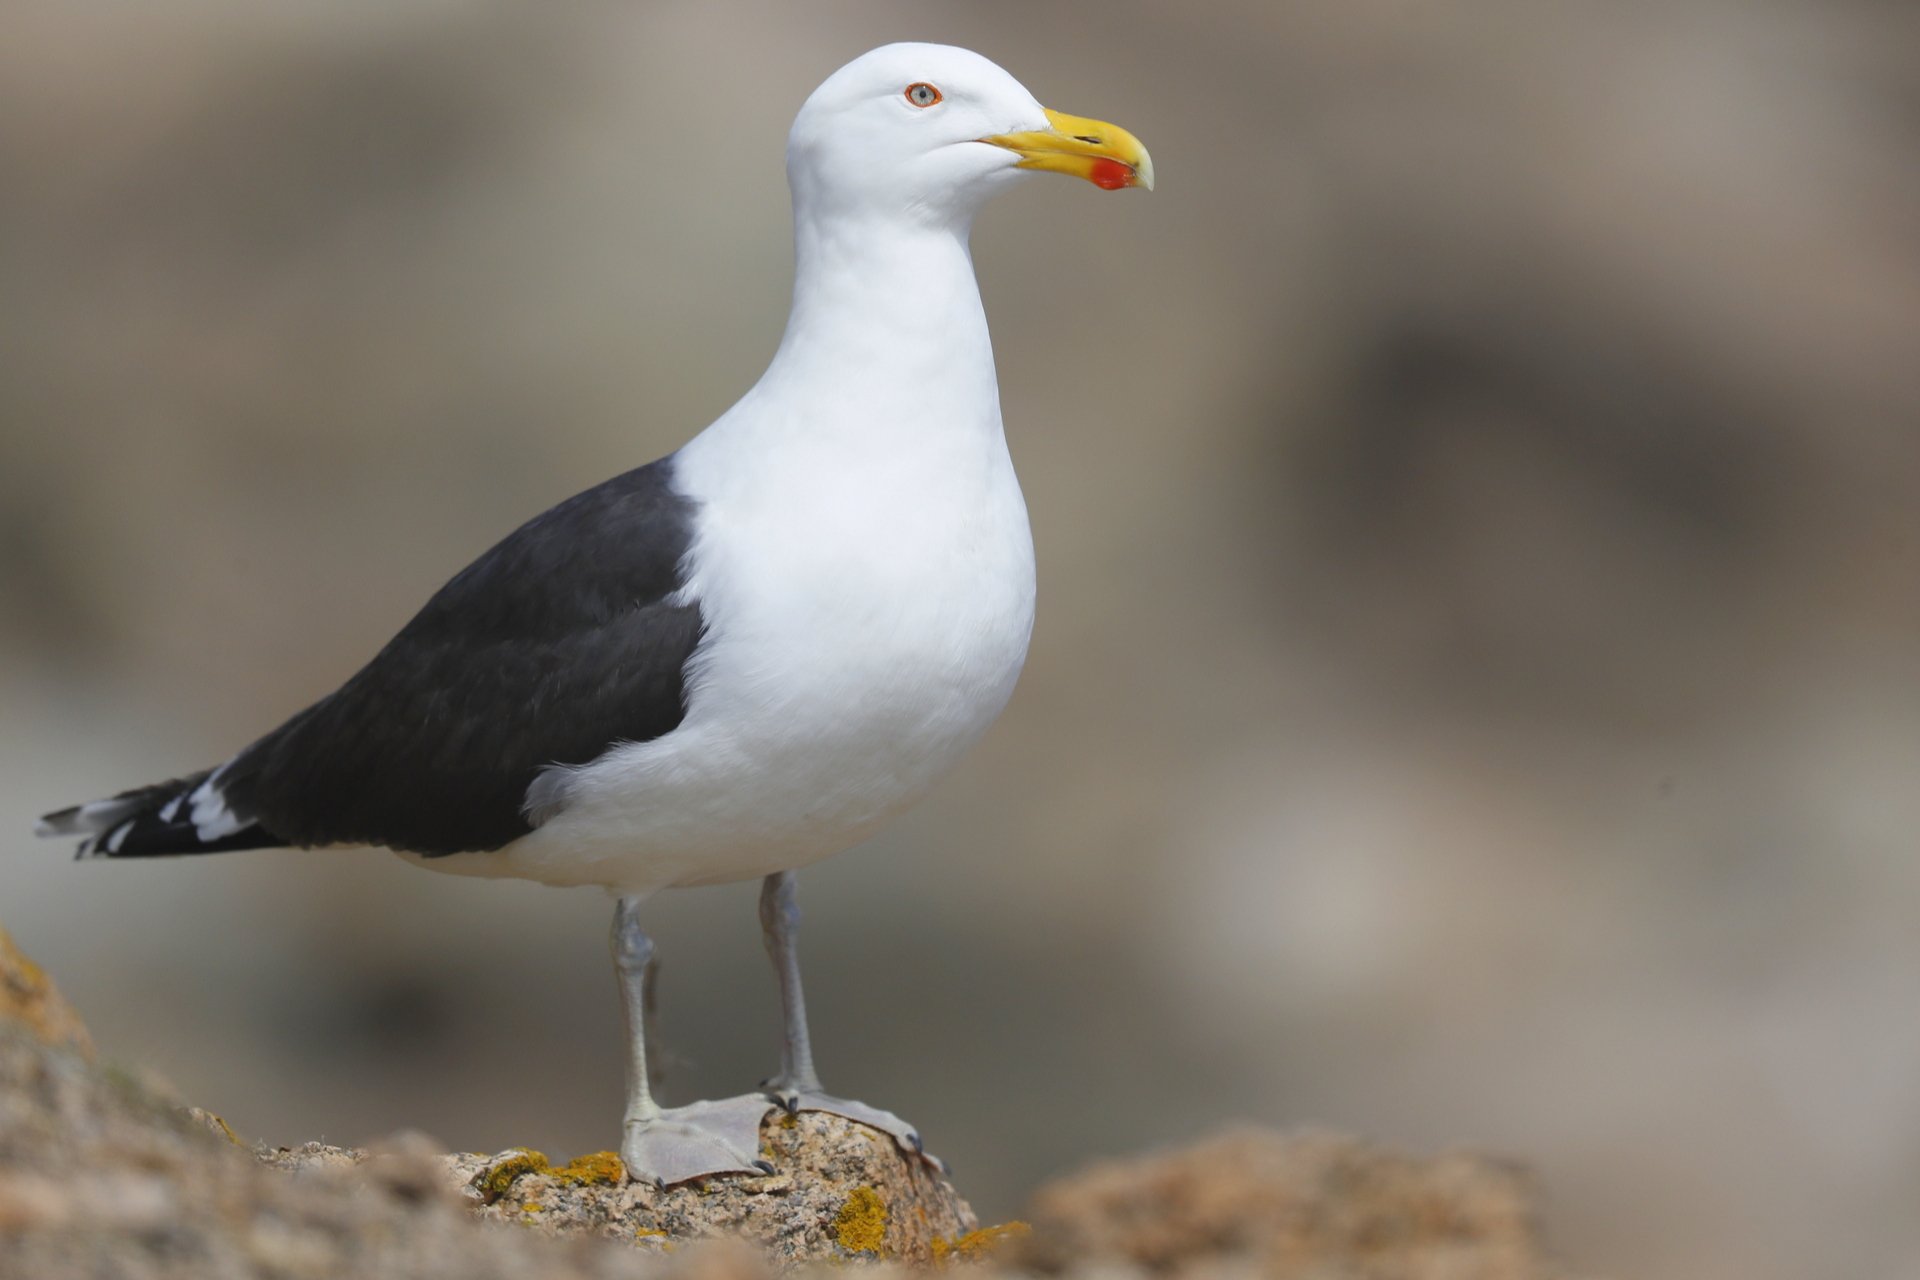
780	927
666	1146
797	1087
633	965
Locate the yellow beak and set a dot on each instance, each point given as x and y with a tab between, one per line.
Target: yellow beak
1104	154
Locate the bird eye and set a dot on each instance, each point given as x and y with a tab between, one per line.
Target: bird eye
923	94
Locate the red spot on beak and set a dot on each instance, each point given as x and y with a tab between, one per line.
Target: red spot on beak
1111	175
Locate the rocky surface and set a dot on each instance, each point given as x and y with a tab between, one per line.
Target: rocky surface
28	997
839	1192
104	1174
1258	1203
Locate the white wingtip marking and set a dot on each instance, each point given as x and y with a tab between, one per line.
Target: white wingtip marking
212	820
90	818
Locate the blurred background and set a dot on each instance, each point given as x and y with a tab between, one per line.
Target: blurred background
1474	699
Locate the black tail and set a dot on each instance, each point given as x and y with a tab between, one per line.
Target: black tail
187	815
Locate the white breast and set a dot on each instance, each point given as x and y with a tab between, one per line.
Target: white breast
864	627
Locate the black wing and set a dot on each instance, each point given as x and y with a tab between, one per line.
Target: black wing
561	641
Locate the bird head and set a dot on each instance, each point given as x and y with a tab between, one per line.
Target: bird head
930	131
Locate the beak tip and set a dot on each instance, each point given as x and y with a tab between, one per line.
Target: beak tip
1104	154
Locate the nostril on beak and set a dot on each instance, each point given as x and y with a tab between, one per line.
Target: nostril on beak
1087	138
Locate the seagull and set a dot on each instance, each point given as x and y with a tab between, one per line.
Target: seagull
740	658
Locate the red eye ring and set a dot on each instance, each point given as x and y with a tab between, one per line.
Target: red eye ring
922	94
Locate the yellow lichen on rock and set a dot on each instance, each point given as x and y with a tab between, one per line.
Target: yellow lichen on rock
200	1115
28	995
501	1174
861	1224
975	1246
601	1169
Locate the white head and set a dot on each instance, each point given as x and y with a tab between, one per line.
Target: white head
927	132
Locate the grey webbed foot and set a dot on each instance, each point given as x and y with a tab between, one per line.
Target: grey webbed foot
696	1141
905	1135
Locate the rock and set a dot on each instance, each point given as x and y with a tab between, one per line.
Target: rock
104	1174
839	1192
100	1175
1258	1203
28	996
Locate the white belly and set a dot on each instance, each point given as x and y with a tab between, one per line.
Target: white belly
842	674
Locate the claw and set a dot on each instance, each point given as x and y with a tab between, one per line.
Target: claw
764	1166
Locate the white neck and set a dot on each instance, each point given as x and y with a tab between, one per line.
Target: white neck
886	323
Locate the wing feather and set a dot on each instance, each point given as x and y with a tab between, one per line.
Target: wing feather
569	636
